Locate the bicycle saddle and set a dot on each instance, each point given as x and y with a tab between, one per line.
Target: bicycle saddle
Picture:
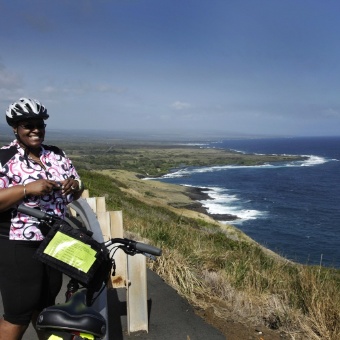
73	315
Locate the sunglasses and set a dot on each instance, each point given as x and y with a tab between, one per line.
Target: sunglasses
33	126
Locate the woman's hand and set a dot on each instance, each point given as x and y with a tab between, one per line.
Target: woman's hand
15	194
44	186
41	187
69	186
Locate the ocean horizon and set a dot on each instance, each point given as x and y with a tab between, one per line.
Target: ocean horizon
289	207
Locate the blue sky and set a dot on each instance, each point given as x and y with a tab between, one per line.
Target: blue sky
268	67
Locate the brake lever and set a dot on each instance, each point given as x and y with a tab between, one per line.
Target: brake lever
152	257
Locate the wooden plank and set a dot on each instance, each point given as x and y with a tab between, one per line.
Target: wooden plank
116	225
104	222
137	306
85	194
101	204
91	201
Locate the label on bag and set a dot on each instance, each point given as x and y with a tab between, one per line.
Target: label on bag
87	336
71	251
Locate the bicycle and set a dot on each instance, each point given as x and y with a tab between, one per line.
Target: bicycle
76	318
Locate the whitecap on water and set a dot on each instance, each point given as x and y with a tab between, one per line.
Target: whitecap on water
314	160
310	161
222	202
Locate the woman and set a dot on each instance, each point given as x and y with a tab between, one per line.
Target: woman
40	177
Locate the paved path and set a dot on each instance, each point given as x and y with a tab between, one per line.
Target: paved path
170	316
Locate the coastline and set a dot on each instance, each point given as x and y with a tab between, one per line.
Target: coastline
166	194
197	194
183	200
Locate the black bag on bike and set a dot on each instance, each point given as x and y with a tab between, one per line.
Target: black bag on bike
76	254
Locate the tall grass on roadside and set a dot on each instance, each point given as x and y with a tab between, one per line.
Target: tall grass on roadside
319	292
234	277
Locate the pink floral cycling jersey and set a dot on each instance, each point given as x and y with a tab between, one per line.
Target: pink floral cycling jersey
16	168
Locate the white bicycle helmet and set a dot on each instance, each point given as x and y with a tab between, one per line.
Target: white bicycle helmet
25	108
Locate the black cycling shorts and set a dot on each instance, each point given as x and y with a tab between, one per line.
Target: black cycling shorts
26	284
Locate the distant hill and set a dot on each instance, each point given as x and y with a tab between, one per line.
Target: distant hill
68	135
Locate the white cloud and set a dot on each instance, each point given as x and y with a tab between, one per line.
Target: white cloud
49	89
180	105
84	88
109	88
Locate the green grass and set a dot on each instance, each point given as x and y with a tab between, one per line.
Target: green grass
155	160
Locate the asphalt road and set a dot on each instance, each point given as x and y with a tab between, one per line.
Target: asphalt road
170	316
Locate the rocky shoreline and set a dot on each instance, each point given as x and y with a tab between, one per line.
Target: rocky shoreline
198	194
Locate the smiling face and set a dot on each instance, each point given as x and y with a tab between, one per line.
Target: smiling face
31	132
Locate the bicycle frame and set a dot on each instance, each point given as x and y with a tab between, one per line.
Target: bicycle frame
76	318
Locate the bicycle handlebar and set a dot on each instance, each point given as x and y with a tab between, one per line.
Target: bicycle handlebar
147	248
134	246
40	215
129	245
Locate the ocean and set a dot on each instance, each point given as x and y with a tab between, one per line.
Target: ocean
291	207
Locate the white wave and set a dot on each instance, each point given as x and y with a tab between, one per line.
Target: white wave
179	173
238	151
310	161
193	144
186	172
314	160
222	202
